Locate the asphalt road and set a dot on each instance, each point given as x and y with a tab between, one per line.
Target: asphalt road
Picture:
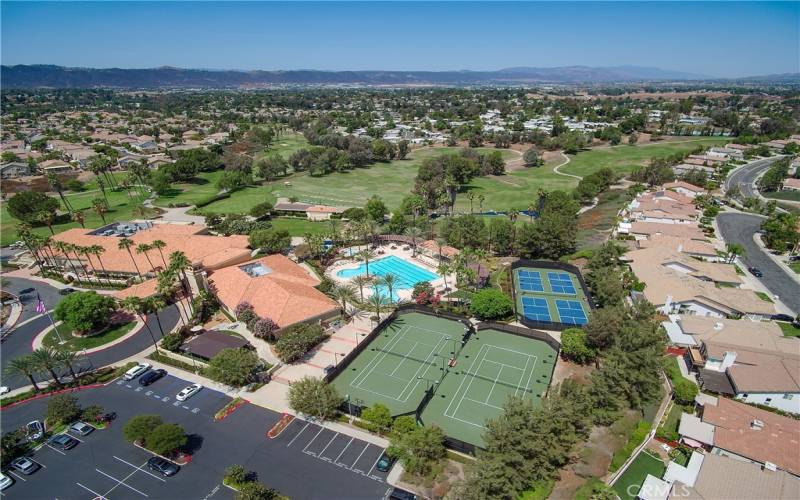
300	465
746	176
740	228
19	341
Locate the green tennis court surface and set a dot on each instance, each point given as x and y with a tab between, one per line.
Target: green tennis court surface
412	355
550	295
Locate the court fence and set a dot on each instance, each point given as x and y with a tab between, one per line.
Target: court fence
546	264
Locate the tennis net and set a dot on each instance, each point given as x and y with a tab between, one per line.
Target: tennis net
500	382
424	362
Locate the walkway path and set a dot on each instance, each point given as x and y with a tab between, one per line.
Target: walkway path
566	160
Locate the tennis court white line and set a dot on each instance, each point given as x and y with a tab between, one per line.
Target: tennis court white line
494	384
503	365
369	368
427	367
403	359
482	403
519	384
472	379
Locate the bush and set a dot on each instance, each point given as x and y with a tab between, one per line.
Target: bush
233	367
270	240
27	205
235	474
298	340
315	397
165	438
265	329
92	413
172	341
256	491
85	312
244	312
62	409
490	303
685	391
140	426
574	347
378	418
262	209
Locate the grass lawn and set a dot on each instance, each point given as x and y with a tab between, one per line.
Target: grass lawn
795	266
763	296
624	158
636	473
287	144
120	209
79	343
204	185
789	330
594	225
299	227
784	195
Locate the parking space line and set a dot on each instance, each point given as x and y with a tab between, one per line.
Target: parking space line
122	482
18	476
73	437
313	439
298	434
359	457
141	470
376	463
345	449
326	447
96	494
54	449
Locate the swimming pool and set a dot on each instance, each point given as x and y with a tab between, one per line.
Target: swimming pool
407	274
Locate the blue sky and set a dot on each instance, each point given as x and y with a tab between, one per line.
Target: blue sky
716	39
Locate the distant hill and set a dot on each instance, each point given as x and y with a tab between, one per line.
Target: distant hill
32	76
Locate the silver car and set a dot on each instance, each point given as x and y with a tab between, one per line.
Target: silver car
81	428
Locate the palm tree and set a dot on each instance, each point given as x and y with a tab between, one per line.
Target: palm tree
471	198
47	218
159	245
24	366
55	185
97	251
127	243
389	280
361	281
414	233
154	304
75	249
144	248
47	359
366	255
733	250
440	243
178	262
68	358
64	248
138	307
377	301
481	199
343	293
86	252
79	217
443	269
100	207
165	286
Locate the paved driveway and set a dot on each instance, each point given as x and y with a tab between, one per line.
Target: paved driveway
740	228
311	464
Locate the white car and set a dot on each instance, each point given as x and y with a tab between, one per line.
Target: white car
4	390
136	371
35	430
5	481
188	392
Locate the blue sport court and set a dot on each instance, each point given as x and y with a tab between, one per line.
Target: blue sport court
530	281
571	312
561	283
535	309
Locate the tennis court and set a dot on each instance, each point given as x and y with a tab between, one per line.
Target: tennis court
550	296
492	366
402	362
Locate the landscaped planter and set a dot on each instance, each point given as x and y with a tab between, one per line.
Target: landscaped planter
280	426
180	457
229	408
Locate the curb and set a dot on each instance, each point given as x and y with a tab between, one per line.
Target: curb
48	394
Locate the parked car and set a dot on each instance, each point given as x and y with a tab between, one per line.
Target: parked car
5	481
398	494
783	317
81	428
26	291
4	390
163	466
188	392
385	462
136	371
67	291
151	376
24	465
756	272
794	258
35	430
63	442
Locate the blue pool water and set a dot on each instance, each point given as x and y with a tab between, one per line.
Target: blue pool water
406	274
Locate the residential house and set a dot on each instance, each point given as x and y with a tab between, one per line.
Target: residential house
694	248
791	184
14	169
684	188
647	230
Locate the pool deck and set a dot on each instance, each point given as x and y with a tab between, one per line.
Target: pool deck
423	261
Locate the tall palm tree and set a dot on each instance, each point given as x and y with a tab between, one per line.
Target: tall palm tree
138	307
154	304
64	247
361	281
97	251
159	245
144	248
55	185
47	359
367	255
378	302
127	243
47	218
86	252
414	233
75	249
24	366
68	358
79	217
165	286
100	207
178	262
443	269
389	280
481	199
343	293
471	198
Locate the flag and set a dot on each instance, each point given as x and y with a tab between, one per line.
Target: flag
40	308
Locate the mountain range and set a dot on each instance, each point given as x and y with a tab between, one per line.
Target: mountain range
34	76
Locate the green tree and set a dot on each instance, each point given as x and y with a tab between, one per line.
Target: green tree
315	397
419	450
233	367
378	417
261	210
62	409
138	428
85	312
780	232
573	346
165	438
532	158
376	209
685	391
23	366
490	303
270	240
26	205
253	490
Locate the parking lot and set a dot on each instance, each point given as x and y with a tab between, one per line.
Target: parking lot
104	465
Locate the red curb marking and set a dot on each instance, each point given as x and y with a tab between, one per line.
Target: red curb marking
47	395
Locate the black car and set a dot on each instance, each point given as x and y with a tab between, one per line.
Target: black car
151	376
794	258
66	291
162	466
398	494
385	462
26	291
63	442
756	272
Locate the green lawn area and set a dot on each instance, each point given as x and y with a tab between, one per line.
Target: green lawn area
784	195
204	185
79	343
299	227
287	144
789	330
763	296
594	225
636	473
624	158
120	209
795	266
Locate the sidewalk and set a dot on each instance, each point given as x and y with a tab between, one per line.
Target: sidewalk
13	317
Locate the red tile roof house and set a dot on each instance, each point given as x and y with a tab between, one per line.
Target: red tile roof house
277	288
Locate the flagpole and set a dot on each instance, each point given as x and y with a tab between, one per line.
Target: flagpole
40	305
